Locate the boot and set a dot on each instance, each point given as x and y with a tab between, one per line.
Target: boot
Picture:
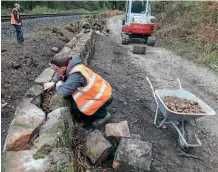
99	122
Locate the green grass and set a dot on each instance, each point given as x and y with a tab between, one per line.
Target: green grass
205	54
46	10
182	30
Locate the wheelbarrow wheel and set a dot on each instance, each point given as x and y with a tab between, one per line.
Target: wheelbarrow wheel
189	136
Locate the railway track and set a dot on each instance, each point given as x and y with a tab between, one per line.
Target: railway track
5	18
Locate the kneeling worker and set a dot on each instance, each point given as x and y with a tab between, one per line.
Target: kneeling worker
90	92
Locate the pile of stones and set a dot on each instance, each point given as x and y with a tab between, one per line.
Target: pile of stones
131	153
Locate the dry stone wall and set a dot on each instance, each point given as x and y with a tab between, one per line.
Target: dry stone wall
37	141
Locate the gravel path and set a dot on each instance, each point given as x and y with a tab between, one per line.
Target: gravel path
133	100
32	25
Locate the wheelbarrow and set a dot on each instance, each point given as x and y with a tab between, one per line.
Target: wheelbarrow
187	138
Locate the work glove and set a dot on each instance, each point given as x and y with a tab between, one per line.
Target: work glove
48	85
59	83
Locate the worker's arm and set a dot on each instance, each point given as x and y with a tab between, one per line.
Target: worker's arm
71	84
56	78
16	16
51	84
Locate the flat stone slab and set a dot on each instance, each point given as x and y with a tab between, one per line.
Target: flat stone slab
45	76
25	125
117	130
97	147
133	155
57	131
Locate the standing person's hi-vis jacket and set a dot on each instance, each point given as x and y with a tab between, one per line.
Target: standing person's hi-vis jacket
13	19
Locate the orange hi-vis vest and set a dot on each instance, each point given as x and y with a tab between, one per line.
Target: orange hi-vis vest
94	94
13	21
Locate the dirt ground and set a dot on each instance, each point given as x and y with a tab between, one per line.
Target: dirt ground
20	65
133	99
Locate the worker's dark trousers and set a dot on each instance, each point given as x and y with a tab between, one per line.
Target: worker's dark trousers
100	113
19	33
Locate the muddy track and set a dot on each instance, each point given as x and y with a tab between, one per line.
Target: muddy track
133	100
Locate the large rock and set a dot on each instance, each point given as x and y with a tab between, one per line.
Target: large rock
97	147
57	131
133	155
58	101
56	159
45	76
115	131
34	95
23	161
24	127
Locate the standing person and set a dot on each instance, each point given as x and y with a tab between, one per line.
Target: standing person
16	22
91	94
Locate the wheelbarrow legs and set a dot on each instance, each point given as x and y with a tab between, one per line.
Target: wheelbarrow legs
155	119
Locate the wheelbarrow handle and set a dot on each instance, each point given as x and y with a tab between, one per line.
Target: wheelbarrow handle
152	88
180	86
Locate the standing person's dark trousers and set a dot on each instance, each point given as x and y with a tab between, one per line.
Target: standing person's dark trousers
19	32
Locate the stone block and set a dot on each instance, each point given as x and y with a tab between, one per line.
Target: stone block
24	127
34	91
97	147
72	43
54	49
45	76
34	95
57	131
133	155
115	131
57	101
139	49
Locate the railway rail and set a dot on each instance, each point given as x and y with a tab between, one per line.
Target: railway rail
5	18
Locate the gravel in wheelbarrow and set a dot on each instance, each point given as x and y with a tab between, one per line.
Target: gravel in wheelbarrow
180	105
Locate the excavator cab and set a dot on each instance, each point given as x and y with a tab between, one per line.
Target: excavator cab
138	22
